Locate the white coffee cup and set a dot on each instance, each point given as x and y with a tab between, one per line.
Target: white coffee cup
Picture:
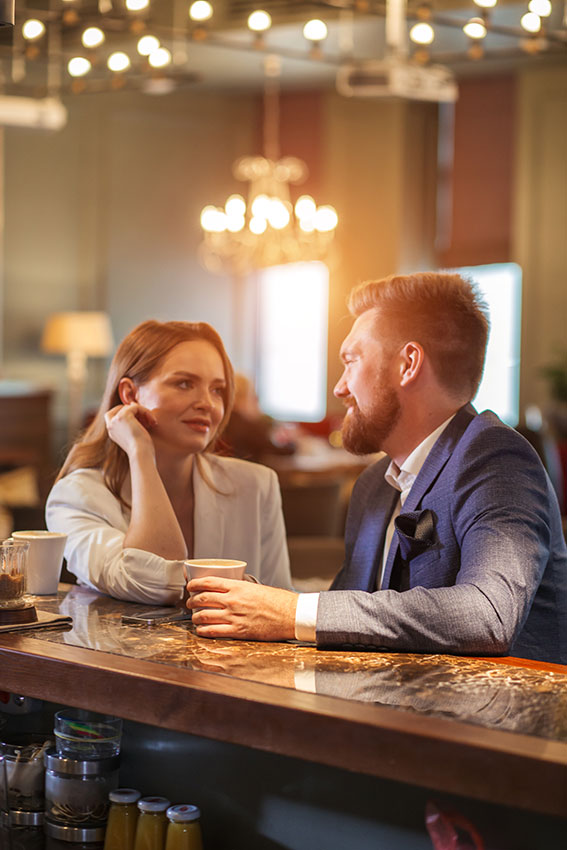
45	559
220	567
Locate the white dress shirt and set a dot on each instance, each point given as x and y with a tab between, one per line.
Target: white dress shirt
401	479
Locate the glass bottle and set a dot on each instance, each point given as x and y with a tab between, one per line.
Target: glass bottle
183	829
122	819
152	823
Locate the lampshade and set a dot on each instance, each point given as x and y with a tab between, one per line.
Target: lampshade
87	332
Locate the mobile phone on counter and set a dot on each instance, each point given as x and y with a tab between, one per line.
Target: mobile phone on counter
156	616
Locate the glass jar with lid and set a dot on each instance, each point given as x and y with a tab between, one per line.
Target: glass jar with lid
152	823
184	829
76	791
122	819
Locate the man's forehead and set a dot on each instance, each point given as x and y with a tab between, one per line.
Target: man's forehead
363	329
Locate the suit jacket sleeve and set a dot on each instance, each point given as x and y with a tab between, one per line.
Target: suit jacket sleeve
494	503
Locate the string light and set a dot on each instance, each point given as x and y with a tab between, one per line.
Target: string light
475	28
78	66
422	33
259	21
486	4
92	37
160	57
315	30
531	22
147	44
137	5
542	8
201	10
118	61
33	29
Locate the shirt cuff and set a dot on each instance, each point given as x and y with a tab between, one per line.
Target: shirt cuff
306	616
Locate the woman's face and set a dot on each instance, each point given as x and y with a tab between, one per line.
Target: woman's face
185	393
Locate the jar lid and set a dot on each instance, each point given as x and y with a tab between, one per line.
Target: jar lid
184	812
124	795
153	804
80	767
74	833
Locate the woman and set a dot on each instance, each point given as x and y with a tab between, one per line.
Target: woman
140	491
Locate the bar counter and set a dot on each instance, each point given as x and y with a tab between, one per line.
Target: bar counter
491	729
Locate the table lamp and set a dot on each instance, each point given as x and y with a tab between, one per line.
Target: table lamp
78	335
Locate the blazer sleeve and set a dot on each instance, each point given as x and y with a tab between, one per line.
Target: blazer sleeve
499	503
81	506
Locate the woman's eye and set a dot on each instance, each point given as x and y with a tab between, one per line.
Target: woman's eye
185	385
219	391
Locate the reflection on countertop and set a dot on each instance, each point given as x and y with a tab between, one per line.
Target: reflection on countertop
483	692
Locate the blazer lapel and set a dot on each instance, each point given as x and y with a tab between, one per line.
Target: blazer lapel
209	516
434	463
367	552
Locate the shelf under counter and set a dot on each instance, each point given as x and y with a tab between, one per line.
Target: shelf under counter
407	718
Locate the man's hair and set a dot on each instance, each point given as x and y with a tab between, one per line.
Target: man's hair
442	311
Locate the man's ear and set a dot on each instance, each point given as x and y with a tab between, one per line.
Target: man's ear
127	391
412	357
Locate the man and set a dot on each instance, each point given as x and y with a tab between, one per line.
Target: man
454	541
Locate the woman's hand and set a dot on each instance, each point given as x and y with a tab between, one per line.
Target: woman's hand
129	426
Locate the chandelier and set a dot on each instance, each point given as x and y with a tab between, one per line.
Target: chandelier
266	229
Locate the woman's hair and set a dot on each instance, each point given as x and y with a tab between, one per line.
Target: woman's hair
137	357
442	311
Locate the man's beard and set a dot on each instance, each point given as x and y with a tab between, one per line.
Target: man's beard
364	433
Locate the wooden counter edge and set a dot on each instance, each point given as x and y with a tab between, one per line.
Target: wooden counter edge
444	755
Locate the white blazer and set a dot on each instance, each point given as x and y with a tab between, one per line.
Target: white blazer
243	520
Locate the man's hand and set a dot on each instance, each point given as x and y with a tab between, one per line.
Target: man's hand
240	609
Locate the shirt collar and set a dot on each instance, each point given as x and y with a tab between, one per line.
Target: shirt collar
402	478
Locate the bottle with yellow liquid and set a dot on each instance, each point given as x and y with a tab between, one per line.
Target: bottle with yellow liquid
184	829
152	823
122	819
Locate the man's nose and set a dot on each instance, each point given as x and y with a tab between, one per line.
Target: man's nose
341	388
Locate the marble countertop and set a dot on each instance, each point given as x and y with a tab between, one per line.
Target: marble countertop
488	692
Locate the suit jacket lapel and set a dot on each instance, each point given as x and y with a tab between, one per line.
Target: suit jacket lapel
434	463
369	545
208	514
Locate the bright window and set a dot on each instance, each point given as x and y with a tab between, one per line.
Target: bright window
501	286
292	341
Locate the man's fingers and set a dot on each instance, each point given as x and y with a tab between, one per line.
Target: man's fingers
220	630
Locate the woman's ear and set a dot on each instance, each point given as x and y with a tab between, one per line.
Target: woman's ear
127	391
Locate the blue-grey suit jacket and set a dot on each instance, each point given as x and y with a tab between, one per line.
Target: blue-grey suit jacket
487	575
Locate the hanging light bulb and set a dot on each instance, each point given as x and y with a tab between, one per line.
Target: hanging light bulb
92	37
542	8
315	30
486	4
259	21
475	28
78	66
137	5
326	219
235	206
160	57
147	44
422	33
531	22
200	10
33	29
118	61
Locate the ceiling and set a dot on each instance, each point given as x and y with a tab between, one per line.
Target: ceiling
224	54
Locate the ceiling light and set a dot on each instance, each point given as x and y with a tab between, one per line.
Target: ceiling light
422	33
92	37
531	22
159	58
78	66
118	61
201	10
542	8
475	28
315	30
33	29
259	21
147	44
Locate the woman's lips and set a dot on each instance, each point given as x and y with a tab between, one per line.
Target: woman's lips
200	425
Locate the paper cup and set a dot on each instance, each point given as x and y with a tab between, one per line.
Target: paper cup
45	559
220	567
